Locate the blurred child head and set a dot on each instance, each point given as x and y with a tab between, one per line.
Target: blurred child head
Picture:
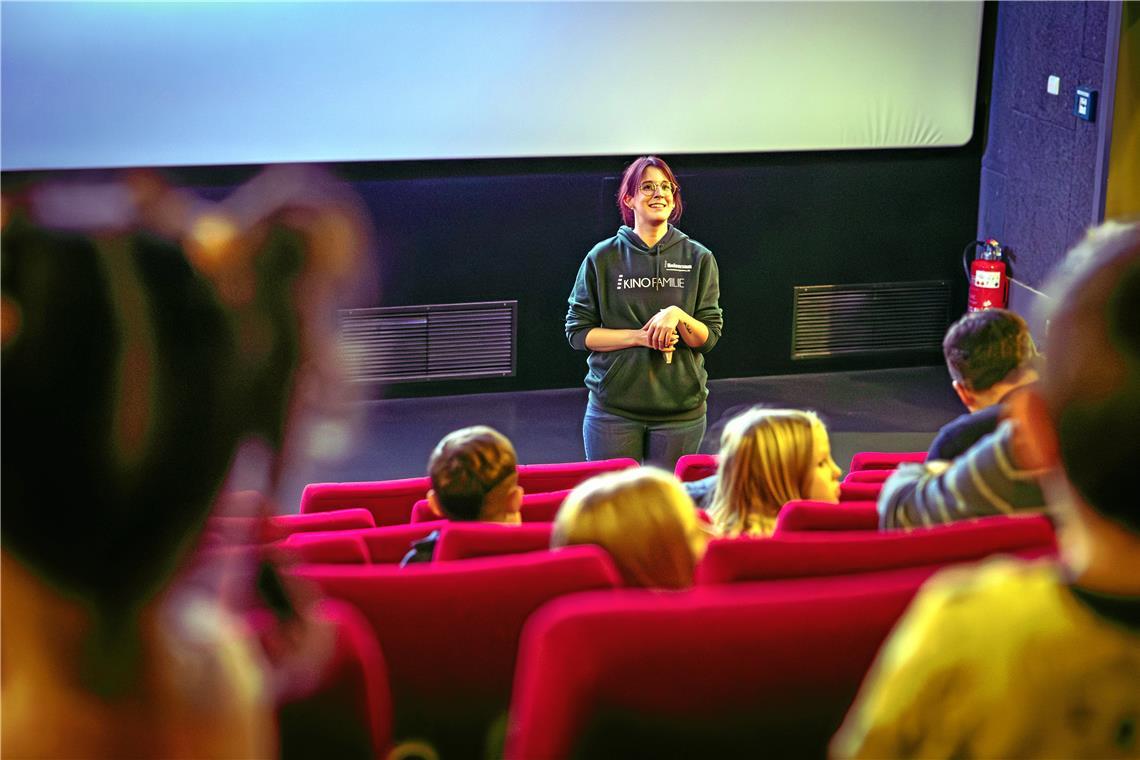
474	476
769	457
643	518
146	335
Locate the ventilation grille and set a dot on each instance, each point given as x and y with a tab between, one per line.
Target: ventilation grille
834	320
437	342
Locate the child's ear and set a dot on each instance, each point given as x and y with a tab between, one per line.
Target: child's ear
514	504
1035	443
433	502
964	393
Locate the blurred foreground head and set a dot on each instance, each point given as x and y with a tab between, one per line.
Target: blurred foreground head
145	334
1091	384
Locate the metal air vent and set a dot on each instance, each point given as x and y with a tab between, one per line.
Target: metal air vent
834	320
436	342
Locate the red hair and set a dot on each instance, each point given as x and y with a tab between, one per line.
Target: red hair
632	178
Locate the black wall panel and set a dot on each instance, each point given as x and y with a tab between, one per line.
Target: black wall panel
773	222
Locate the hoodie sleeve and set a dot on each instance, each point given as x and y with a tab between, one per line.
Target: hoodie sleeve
584	313
982	482
708	302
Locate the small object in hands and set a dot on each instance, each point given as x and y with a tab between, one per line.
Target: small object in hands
668	350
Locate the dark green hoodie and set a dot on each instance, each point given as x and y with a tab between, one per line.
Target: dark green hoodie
621	285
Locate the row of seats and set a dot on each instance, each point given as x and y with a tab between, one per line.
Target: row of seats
697	466
339	539
397	502
540	507
451	692
826	540
576	690
391	501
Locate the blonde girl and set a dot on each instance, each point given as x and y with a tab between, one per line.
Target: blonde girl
643	518
769	457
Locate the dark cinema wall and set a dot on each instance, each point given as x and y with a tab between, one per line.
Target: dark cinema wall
1037	189
772	221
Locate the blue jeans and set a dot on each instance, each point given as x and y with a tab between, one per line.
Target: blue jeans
608	436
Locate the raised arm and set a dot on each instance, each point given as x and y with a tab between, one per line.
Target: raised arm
986	480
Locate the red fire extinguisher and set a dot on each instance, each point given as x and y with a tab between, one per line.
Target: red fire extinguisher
988	276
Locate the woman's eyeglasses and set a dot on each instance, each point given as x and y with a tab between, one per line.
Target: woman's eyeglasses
648	188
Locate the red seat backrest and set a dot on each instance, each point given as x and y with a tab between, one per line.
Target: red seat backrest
280	526
696	466
818	515
389	501
422	512
868	476
755	670
384	545
449	630
466	540
797	555
536	507
251	529
884	460
540	478
389	544
343	706
331	547
542	507
859	491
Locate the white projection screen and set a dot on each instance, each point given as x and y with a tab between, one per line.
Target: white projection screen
102	85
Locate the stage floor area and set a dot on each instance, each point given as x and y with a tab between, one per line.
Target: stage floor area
878	410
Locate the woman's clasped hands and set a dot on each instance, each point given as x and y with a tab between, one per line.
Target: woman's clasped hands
660	332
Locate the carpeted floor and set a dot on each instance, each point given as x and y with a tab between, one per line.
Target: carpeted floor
880	410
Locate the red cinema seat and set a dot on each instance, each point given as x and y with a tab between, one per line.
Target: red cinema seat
467	540
800	555
859	491
536	507
341	707
818	515
884	460
868	476
449	631
333	547
691	467
764	670
389	501
422	512
389	544
542	507
540	478
384	545
280	526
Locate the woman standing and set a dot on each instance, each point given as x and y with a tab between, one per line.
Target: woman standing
645	305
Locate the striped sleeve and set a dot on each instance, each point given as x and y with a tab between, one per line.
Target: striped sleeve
983	481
